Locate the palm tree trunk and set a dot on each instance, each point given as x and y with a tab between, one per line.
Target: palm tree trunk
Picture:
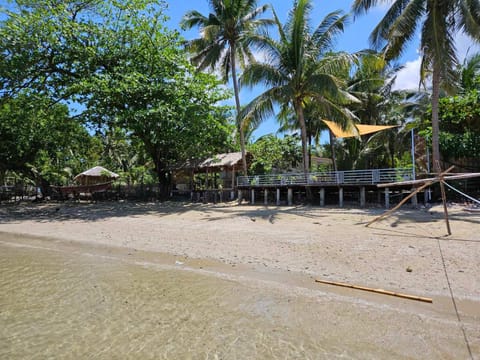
303	132
435	119
332	147
237	104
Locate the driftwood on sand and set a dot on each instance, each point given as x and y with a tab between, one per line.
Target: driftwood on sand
378	291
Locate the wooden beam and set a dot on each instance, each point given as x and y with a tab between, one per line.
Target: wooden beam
424	186
422	181
378	291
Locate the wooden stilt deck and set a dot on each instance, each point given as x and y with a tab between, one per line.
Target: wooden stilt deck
352	184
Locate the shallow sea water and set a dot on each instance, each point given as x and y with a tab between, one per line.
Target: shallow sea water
59	303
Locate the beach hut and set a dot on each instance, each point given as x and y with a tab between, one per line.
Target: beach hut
95	175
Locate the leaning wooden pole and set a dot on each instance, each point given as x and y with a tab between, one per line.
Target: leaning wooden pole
378	291
389	212
427	184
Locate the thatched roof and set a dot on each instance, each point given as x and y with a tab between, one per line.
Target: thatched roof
96	172
222	160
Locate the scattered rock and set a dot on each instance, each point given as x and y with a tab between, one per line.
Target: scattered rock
409	269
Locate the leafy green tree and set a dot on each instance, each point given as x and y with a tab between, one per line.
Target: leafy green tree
158	97
49	46
115	65
42	142
227	36
273	154
300	70
439	21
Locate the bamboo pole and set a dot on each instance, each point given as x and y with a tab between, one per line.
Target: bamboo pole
422	181
378	291
431	182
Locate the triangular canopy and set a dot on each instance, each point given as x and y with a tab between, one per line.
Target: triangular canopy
362	129
95	175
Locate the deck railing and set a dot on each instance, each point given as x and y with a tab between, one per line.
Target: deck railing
350	177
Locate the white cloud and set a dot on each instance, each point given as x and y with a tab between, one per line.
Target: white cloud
409	77
465	47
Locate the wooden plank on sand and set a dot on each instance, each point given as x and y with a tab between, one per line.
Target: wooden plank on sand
378	291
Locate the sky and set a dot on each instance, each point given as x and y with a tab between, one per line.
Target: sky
354	38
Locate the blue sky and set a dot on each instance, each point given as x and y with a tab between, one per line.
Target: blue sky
354	38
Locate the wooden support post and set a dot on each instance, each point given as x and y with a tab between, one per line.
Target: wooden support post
290	196
278	197
252	197
445	210
340	197
424	186
414	199
387	198
240	197
322	196
265	197
362	197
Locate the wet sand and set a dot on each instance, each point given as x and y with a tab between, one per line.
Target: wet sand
272	256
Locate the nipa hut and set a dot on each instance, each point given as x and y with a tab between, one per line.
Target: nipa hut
215	172
95	175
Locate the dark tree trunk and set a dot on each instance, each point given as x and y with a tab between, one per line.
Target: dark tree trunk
435	119
332	147
240	128
164	182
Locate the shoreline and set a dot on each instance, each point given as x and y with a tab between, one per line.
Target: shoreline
328	243
280	252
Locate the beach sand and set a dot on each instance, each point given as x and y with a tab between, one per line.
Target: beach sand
287	248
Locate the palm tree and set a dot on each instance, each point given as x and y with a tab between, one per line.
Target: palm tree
227	35
470	73
439	21
300	70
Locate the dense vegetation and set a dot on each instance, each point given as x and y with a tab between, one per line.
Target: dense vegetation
99	82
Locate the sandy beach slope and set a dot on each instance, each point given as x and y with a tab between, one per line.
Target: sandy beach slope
408	252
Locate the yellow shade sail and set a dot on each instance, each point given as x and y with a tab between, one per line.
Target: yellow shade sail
360	129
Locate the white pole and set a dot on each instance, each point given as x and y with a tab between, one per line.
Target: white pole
413	154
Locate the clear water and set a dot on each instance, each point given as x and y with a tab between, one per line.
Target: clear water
65	304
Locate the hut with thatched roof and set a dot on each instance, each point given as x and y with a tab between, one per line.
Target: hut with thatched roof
95	175
216	172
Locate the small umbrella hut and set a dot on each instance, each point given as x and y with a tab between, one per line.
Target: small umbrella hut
95	175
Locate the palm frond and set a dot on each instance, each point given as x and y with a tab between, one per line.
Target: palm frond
469	18
325	34
260	73
399	28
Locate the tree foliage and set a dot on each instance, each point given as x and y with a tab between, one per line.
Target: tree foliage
438	21
112	65
273	154
301	69
42	141
228	33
